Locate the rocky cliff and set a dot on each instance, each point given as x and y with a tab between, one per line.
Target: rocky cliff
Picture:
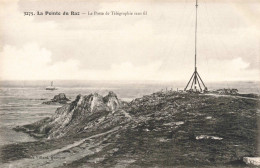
75	115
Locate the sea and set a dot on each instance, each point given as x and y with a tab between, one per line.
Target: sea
21	101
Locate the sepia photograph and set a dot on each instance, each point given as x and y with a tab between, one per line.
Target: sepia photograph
129	83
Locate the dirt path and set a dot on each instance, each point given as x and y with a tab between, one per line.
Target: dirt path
65	155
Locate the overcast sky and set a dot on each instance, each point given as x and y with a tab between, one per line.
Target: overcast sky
157	46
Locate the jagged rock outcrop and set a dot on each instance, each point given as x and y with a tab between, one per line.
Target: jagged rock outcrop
111	101
69	117
58	99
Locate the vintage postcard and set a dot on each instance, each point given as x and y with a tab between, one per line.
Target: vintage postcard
129	83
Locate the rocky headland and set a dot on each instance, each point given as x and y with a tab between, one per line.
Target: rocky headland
164	129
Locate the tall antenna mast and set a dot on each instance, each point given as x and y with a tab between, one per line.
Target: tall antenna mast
196	22
195	78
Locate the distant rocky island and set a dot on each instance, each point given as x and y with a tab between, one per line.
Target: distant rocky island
58	99
163	129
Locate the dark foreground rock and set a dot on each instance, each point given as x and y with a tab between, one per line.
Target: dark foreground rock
164	129
58	99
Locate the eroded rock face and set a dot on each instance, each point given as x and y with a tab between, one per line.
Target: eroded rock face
68	116
58	99
112	101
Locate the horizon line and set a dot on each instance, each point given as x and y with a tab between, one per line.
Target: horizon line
100	80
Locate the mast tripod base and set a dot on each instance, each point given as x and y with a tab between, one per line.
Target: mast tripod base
196	83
